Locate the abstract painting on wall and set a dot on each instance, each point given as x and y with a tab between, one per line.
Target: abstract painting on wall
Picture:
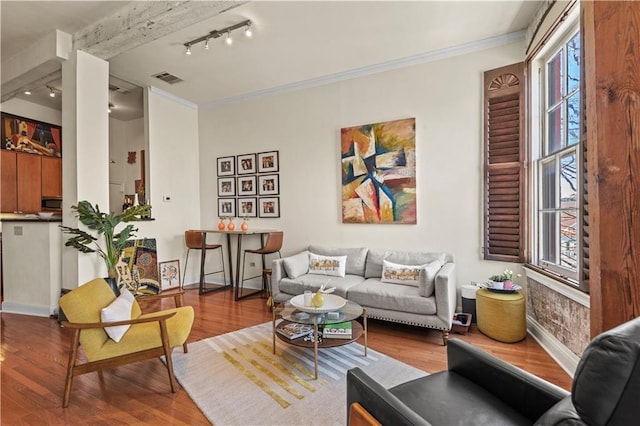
379	172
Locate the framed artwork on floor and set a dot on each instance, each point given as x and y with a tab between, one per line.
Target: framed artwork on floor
227	166
246	164
268	185
226	187
268	162
169	274
247	207
269	207
227	207
246	185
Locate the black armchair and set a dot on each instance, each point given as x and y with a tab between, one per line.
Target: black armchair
479	389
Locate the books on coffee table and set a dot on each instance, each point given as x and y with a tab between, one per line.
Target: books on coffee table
341	330
294	330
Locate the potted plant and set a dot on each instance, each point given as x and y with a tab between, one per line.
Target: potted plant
104	224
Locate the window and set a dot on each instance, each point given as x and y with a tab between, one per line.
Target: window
556	156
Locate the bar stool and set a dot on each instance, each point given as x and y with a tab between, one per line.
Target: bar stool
194	241
271	246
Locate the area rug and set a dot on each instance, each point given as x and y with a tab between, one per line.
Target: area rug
235	379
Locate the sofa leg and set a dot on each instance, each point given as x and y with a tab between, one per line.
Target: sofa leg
445	337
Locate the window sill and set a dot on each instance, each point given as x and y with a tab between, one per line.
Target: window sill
557	285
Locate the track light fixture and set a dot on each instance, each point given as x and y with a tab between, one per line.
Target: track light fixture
52	91
247	24
27	92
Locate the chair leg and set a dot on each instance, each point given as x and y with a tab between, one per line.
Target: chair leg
167	354
185	348
224	274
184	273
73	353
241	283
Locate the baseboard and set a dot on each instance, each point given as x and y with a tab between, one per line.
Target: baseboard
256	285
18	308
566	359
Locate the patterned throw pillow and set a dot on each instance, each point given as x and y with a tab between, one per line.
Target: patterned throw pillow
401	274
327	265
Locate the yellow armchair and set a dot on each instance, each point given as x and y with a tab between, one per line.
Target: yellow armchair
149	335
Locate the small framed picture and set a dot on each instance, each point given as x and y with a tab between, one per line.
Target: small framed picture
269	207
268	185
246	164
227	166
268	162
226	187
169	274
246	185
247	207
227	207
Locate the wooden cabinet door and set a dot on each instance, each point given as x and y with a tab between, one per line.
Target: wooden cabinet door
29	168
51	177
8	188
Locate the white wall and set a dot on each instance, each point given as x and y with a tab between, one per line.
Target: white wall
174	172
124	136
444	96
30	110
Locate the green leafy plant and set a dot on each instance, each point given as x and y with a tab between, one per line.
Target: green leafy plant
104	224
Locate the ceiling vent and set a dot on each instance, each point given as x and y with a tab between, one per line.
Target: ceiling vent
168	78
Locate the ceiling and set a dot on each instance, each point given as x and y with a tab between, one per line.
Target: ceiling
294	43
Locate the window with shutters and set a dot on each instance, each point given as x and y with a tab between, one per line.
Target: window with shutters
504	210
557	156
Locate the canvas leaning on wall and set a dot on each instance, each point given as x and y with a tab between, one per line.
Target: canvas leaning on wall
379	172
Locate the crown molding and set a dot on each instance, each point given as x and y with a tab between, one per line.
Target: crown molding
375	68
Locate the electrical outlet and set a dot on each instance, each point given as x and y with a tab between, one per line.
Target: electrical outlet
252	263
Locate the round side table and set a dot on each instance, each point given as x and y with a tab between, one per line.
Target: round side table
501	316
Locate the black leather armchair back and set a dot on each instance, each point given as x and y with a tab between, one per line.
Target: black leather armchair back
606	386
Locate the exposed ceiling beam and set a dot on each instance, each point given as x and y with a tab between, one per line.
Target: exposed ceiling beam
141	22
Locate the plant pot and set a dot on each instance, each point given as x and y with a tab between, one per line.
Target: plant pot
113	285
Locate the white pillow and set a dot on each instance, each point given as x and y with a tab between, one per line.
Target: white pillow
401	274
428	278
327	265
118	310
296	265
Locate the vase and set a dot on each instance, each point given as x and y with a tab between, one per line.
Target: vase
221	225
244	226
230	225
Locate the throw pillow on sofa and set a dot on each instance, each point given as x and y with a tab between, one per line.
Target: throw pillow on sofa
396	273
428	278
296	265
327	265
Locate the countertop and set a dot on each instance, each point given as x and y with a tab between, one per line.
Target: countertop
19	217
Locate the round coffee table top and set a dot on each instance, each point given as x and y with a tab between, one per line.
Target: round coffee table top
348	312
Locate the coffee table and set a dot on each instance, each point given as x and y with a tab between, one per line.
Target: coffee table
349	312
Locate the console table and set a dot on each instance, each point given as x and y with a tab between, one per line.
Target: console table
239	236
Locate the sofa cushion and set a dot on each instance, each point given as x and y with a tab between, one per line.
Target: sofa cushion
296	265
356	257
313	282
118	310
428	278
327	265
466	403
395	297
396	273
375	258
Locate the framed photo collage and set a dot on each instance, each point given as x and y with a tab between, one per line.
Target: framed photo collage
249	185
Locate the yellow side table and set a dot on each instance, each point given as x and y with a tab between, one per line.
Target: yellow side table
501	316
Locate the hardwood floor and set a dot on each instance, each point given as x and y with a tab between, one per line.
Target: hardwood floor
34	355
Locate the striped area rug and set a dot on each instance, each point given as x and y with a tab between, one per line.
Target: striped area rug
235	379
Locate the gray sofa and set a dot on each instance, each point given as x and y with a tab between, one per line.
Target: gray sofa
430	304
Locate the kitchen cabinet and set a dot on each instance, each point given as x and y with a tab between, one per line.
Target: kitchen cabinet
29	186
8	187
51	177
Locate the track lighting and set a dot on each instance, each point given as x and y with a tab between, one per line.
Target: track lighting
247	25
110	107
52	92
27	92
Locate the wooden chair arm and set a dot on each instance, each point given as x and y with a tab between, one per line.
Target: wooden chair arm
87	325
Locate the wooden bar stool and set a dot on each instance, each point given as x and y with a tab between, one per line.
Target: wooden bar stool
271	246
196	240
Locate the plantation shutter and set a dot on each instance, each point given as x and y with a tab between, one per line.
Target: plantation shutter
504	177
